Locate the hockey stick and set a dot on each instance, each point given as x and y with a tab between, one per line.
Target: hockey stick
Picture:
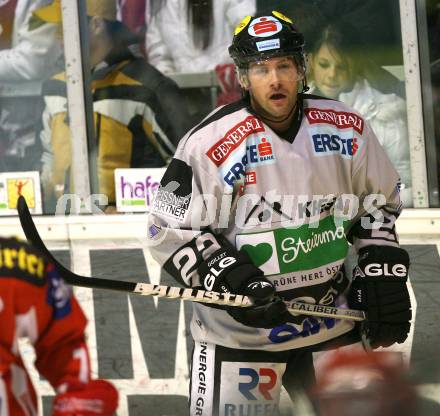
170	292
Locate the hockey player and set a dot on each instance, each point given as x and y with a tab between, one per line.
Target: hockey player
353	382
263	198
35	303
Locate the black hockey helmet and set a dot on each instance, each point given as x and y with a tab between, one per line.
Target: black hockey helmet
266	36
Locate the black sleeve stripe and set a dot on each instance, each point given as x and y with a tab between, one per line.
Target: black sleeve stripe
386	232
180	173
222	112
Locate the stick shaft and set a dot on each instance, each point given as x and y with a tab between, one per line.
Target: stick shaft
203	296
169	292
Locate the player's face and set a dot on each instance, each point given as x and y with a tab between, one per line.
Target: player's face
273	86
330	71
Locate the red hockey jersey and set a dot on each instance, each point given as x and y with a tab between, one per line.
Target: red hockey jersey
36	303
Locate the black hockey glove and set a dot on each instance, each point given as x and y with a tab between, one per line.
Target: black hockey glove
379	288
231	271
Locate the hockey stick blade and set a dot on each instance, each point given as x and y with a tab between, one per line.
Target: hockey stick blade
31	233
169	292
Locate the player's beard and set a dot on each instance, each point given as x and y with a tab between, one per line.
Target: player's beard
271	117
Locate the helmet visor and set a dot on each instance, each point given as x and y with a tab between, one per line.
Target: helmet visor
282	68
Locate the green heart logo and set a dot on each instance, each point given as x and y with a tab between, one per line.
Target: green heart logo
260	253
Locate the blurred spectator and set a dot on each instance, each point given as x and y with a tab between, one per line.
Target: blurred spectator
193	35
29	54
354	382
29	49
377	21
190	36
35	303
230	90
336	71
139	114
378	24
133	13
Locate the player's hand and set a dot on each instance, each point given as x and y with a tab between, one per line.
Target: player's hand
231	271
96	398
379	288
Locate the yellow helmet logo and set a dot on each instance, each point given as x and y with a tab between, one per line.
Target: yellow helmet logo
282	17
242	25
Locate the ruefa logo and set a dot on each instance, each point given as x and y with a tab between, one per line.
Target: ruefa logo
262	381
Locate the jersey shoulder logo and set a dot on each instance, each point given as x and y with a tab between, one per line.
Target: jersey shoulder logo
222	149
339	119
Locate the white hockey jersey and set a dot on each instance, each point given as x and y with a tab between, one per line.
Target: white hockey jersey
293	203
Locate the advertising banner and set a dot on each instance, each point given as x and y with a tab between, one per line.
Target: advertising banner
135	188
14	184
